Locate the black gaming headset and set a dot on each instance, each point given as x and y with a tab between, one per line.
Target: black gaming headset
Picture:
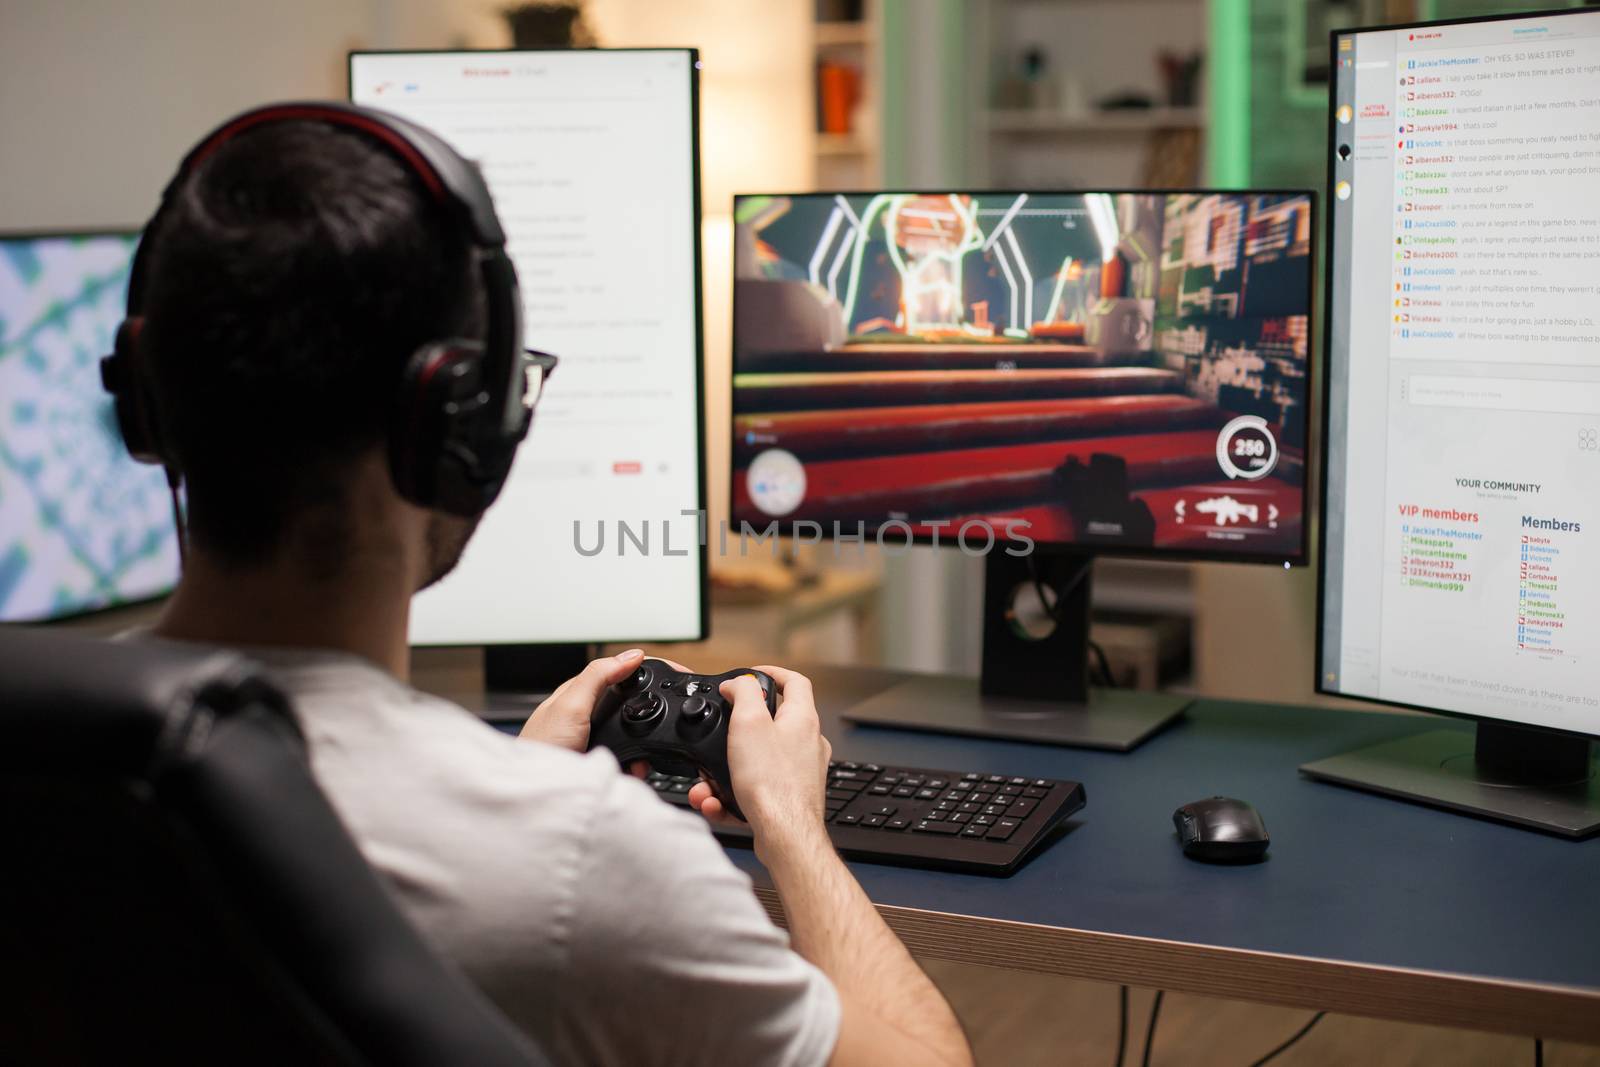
459	411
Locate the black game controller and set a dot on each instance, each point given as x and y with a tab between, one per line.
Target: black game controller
675	720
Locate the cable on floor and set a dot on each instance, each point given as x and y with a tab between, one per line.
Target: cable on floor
1298	1034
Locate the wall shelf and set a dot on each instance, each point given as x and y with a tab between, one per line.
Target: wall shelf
1095	122
844	33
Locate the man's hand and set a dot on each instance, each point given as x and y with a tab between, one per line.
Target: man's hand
779	764
563	718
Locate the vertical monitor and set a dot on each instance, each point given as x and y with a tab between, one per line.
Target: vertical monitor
1461	539
592	159
1108	371
82	526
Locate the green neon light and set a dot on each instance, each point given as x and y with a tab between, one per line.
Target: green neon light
853	286
1061	285
1228	90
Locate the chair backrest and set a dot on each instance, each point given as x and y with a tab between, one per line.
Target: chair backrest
174	888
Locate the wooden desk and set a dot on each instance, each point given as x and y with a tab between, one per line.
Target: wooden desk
1366	906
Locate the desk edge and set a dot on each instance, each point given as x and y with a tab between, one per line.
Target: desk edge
1438	998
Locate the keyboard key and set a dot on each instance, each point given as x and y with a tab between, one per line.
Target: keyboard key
848	786
946	805
840	794
871	768
678	787
883	809
1019	781
897	823
936	816
1011	790
835	805
879	791
904	791
848	773
994	809
843	765
829	816
960	816
938	827
1001	830
654	776
889	779
873	820
927	794
983	820
848	820
1021	809
957	795
972	776
971	805
973	830
661	785
914	781
1041	783
984	790
1035	794
937	783
996	779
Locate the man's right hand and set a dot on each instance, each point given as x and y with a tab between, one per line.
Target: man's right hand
778	763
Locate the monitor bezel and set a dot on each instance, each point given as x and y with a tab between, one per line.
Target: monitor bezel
1301	558
702	503
1320	687
86	614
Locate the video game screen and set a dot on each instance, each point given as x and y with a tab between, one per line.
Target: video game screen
82	526
1122	370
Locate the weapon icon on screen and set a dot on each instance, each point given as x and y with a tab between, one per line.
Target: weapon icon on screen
1226	510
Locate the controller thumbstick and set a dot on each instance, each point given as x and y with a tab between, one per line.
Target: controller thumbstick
695	710
643	709
635	681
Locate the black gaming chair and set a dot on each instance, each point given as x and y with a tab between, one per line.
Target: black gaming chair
174	888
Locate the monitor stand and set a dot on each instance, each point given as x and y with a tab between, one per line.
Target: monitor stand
517	678
1033	688
1517	774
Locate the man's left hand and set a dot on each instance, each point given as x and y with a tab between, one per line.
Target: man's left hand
563	718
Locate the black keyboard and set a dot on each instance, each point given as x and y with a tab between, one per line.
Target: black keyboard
982	823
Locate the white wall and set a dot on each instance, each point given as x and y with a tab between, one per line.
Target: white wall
99	98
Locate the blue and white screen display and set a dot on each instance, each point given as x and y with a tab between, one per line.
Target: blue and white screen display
82	526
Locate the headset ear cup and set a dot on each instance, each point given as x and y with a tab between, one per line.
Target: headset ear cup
416	427
122	374
446	448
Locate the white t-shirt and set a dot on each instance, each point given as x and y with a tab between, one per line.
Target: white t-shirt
605	923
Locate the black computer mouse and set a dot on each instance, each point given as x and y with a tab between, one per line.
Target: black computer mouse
1220	830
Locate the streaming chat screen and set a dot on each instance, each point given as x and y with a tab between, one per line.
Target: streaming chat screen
82	526
1108	369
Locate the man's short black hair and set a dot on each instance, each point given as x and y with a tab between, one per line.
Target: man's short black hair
294	274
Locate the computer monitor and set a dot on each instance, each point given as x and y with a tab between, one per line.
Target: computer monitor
1044	376
1463	400
593	160
82	526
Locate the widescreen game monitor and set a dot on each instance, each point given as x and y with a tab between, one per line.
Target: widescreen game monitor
1121	372
82	526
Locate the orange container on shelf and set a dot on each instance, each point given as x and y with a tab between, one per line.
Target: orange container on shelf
838	88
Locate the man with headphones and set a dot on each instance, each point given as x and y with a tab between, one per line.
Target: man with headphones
324	347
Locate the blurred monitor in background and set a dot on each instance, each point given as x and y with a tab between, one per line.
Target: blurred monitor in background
82	526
